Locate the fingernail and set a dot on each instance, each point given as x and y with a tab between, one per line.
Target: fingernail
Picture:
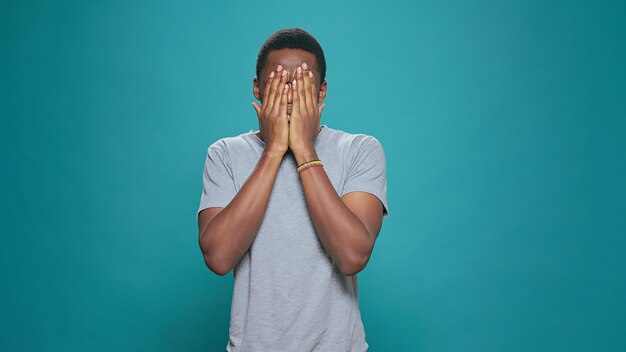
279	68
304	66
311	74
284	73
294	82
272	74
286	86
299	70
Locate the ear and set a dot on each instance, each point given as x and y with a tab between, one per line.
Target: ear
322	93
256	89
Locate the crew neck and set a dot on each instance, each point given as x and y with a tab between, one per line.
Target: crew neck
261	144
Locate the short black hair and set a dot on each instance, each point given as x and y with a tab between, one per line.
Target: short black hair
292	38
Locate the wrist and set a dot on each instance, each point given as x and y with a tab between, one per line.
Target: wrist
270	153
304	155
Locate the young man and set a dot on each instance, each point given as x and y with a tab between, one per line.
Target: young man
294	209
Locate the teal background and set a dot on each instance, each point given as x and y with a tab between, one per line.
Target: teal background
503	125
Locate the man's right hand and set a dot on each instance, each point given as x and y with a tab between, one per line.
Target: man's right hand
272	115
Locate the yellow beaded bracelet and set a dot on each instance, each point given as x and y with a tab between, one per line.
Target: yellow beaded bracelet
309	164
309	167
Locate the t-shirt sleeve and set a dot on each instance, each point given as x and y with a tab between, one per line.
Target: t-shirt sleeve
217	178
367	171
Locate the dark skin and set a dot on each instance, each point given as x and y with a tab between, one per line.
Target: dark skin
289	119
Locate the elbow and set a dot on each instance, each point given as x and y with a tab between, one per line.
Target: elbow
219	267
355	265
356	259
216	264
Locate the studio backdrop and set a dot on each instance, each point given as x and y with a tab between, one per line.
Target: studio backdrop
503	125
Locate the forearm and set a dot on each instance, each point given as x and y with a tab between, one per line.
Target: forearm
342	234
227	237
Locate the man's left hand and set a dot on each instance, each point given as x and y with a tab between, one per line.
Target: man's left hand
304	124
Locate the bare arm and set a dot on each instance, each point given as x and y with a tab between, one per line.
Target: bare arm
227	233
346	226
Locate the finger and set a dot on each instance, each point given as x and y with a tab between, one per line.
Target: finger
271	97
276	108
295	102
283	99
307	85
290	92
321	107
313	89
267	88
301	91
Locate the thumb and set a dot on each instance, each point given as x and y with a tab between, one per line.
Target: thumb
257	108
320	108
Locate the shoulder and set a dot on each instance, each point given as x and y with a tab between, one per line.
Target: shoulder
227	145
355	142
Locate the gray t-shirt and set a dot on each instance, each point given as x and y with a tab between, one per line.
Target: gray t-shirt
288	294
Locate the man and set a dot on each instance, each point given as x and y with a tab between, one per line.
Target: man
293	209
